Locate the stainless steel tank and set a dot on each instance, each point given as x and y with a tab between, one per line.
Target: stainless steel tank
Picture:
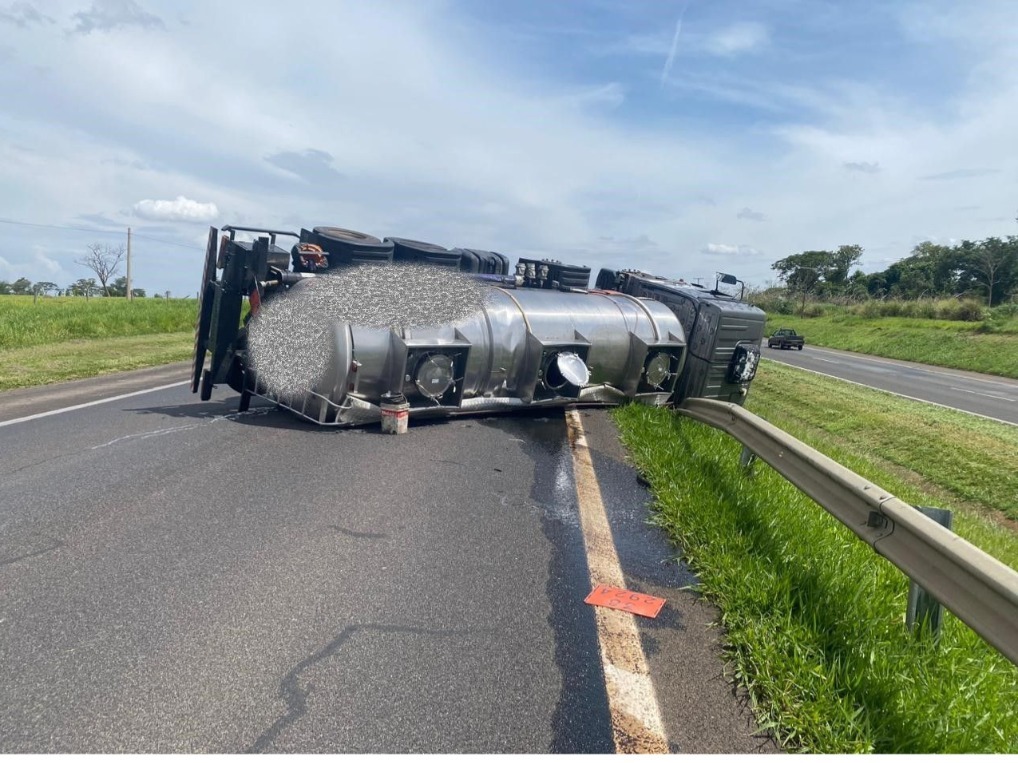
525	348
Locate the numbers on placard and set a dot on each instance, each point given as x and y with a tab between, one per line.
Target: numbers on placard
625	601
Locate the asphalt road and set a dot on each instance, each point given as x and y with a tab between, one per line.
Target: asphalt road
178	577
991	396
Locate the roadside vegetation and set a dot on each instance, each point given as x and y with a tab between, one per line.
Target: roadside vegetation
62	338
814	619
989	345
953	306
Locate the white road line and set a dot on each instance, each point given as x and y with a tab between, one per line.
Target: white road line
918	367
636	720
896	394
984	394
90	404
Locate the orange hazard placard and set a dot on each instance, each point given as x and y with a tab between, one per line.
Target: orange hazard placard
627	601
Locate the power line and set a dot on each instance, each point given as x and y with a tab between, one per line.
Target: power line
97	230
169	243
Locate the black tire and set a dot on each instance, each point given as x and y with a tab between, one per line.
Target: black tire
206	386
409	250
350	247
470	261
501	264
608	279
206	301
445	259
799	347
488	263
341	236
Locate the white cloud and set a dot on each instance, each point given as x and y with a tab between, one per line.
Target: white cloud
22	14
610	95
38	267
107	15
180	209
48	264
744	37
867	168
730	249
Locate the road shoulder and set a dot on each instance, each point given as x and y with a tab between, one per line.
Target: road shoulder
703	710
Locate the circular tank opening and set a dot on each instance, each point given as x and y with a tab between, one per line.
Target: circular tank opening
656	372
434	376
566	368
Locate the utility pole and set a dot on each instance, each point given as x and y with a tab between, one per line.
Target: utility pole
129	294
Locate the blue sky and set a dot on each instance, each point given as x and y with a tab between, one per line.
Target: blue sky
683	138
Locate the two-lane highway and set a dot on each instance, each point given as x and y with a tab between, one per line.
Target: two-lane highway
994	397
179	577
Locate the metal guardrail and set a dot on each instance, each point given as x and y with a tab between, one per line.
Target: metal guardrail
979	589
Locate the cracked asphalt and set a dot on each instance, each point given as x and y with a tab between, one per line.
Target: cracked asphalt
178	578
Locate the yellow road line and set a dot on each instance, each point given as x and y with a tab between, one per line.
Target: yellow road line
635	715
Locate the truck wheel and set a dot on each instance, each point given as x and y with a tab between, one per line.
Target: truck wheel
799	347
350	247
409	250
245	392
206	386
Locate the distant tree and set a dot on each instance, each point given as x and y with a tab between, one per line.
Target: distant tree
5	288
842	261
103	260
990	262
84	287
42	287
119	288
21	286
810	272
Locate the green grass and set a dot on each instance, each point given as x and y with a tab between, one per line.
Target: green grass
64	338
954	344
83	359
813	617
24	323
958	458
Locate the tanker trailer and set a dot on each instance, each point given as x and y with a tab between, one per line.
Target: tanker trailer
525	348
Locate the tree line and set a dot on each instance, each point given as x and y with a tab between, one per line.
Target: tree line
83	287
986	270
102	259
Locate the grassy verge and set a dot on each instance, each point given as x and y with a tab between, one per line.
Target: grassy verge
82	359
814	618
63	338
953	344
947	455
50	320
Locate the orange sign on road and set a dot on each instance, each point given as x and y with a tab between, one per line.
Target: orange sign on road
627	601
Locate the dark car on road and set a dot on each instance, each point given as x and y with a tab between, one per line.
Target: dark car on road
786	338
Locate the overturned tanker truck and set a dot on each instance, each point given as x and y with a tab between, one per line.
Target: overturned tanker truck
541	339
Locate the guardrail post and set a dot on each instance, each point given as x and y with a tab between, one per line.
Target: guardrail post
923	610
746	458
